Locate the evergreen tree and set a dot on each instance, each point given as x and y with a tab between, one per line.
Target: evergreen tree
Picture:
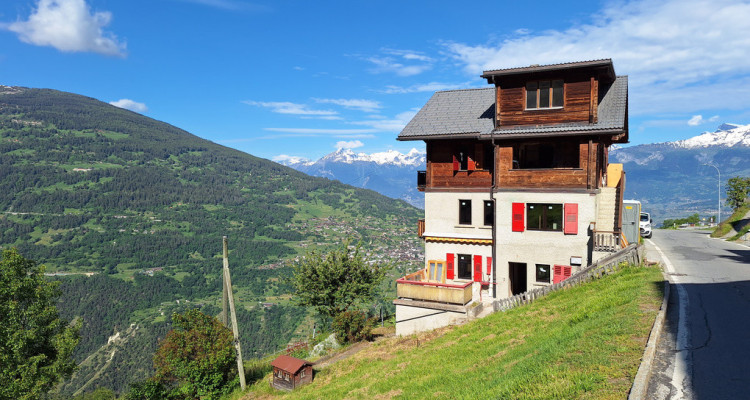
36	346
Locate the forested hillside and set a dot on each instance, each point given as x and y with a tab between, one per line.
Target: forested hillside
128	213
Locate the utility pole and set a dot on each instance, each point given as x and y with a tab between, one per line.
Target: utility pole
718	220
228	297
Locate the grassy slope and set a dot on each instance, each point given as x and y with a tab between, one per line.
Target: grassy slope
585	342
728	225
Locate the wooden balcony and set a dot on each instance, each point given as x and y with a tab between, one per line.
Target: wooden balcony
416	287
420	228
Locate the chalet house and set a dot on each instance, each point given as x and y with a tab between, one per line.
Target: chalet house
518	189
290	372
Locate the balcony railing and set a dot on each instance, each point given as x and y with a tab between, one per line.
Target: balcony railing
416	287
420	228
421	180
607	241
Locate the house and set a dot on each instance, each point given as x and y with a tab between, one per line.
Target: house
518	189
290	373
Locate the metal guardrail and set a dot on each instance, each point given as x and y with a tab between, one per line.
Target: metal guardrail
596	270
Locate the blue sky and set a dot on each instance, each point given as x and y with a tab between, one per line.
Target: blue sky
301	78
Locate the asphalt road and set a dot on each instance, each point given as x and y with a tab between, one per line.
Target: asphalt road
704	352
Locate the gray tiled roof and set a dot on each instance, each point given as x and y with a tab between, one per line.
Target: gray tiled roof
452	112
471	112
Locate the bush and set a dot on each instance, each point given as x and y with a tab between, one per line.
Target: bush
352	326
197	356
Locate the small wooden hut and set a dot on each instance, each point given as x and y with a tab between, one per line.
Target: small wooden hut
290	372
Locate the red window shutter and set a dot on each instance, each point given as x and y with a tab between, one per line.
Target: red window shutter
489	266
449	274
571	219
558	274
518	216
562	272
455	164
477	268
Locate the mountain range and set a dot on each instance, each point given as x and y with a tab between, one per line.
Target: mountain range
390	173
671	179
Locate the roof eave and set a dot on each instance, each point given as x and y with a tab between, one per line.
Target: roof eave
470	135
583	132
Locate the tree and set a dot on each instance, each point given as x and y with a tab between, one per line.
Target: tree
737	191
36	346
197	357
333	283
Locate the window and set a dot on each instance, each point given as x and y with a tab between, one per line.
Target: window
464	212
546	154
489	213
544	217
542	273
544	94
464	266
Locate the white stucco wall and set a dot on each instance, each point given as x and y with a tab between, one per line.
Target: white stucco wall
540	247
529	247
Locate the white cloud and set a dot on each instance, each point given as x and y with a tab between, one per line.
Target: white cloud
69	26
387	64
130	105
290	159
698	119
356	104
408	55
394	125
285	107
674	49
230	5
352	144
321	131
400	62
424	87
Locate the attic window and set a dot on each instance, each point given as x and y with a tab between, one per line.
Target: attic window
544	94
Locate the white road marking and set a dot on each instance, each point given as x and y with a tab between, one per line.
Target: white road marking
683	359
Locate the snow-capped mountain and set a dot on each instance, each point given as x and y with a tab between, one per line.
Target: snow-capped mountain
393	157
674	179
390	173
728	135
671	179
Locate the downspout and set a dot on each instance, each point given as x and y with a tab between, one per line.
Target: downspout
494	205
494	210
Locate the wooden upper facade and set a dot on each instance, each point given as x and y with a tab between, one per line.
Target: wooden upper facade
548	127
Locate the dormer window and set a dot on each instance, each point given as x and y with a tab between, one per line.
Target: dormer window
544	94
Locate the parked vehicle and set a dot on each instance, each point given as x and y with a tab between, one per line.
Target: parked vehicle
645	225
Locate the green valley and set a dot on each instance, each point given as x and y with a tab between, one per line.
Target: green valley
129	212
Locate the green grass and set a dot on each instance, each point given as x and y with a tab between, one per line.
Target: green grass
582	343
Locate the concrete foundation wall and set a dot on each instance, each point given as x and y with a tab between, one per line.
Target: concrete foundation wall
411	320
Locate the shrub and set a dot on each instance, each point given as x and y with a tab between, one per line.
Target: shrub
352	326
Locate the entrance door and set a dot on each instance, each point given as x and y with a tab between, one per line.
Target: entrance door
517	273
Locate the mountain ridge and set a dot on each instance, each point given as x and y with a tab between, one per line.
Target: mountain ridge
728	147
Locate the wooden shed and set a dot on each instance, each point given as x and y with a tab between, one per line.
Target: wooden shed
290	372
